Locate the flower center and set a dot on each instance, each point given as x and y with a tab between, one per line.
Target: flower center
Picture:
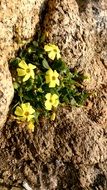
28	70
53	78
55	50
50	101
26	113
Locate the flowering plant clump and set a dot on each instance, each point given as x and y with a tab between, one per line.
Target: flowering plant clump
42	82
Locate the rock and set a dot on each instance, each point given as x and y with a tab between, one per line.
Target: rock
72	152
16	188
87	140
79	28
18	20
80	36
3	188
6	91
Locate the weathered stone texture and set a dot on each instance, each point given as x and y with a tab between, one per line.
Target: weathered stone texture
80	36
18	20
80	30
72	152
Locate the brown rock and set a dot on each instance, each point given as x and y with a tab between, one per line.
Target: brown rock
80	36
72	152
80	30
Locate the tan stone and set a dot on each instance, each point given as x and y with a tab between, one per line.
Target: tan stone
18	20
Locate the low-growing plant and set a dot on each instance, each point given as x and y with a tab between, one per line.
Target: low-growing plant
42	82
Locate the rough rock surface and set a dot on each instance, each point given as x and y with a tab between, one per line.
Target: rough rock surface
18	20
72	152
80	30
81	35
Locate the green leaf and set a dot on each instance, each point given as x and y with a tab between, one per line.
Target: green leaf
14	62
45	64
40	55
28	96
35	43
42	38
63	91
16	85
20	93
73	102
59	65
80	99
36	114
28	85
39	80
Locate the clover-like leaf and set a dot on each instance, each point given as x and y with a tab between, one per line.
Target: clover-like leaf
45	64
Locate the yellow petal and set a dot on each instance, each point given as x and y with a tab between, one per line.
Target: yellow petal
31	66
48	48
56	74
18	111
21	72
52	55
23	65
49	72
54	47
27	76
48	96
27	104
32	74
27	107
31	126
54	97
30	117
21	118
52	84
58	55
24	106
53	116
56	103
57	82
31	110
55	100
48	105
47	78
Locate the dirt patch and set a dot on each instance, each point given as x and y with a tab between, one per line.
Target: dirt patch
34	157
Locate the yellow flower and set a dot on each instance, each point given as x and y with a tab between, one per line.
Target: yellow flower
53	116
25	112
25	70
31	126
52	100
53	51
52	78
